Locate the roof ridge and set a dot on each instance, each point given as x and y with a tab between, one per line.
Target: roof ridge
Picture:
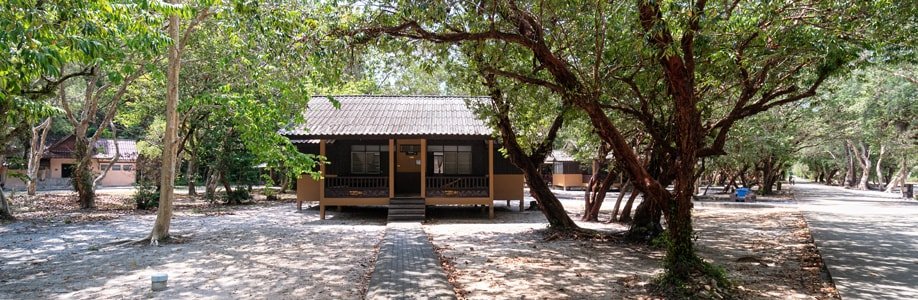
401	96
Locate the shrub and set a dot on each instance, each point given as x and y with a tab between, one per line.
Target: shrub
237	196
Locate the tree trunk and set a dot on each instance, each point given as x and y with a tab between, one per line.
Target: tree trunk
830	177
849	172
548	203
588	194
284	182
36	149
618	201
900	177
210	185
191	173
770	175
599	197
82	173
742	176
167	177
6	213
626	211
863	158
599	185
880	166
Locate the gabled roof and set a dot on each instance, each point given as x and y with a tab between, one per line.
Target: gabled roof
105	149
558	156
390	116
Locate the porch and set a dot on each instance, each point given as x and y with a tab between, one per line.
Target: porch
370	173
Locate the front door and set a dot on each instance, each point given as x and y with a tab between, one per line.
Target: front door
408	168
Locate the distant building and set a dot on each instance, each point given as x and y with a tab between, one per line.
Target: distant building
565	172
57	165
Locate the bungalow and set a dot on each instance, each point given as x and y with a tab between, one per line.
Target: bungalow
57	164
403	152
566	172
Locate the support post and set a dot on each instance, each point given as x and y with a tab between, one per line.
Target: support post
392	151
423	168
322	182
491	179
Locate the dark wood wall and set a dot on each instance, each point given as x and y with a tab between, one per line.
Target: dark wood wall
339	152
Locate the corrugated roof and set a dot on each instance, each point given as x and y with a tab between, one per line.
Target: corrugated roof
558	155
127	149
391	115
105	149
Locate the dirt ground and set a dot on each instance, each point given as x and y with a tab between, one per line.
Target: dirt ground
767	252
266	250
269	250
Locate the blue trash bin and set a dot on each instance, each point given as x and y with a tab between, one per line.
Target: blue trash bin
741	194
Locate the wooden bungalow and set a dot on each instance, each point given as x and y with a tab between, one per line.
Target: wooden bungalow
404	152
565	171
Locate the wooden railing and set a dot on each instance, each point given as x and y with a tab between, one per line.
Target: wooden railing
357	187
457	186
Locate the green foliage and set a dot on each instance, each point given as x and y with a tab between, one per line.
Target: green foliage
146	195
237	196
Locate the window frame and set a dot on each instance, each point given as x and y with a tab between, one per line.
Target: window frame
369	154
452	159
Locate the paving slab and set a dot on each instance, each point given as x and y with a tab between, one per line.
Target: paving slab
407	266
868	240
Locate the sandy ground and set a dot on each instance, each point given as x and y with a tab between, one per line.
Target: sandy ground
268	250
256	251
767	252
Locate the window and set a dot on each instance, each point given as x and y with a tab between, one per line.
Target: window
116	168
365	159
559	168
127	167
67	170
104	167
452	159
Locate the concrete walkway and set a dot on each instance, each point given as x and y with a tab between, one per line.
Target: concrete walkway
407	267
868	239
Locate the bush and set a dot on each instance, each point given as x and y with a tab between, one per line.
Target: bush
146	196
237	196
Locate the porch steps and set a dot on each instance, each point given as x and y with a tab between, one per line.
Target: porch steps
407	209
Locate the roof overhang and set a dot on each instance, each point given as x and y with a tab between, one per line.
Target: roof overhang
386	137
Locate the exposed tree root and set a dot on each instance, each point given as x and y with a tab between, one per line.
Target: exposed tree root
705	281
147	241
580	234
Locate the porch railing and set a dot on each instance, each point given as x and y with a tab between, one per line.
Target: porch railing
457	186
357	187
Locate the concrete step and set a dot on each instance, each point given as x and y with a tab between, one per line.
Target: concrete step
421	205
415	217
397	201
408	211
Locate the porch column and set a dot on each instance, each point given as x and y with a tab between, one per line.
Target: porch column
322	182
491	178
423	168
392	151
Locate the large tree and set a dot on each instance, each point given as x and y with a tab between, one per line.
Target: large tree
686	72
247	72
50	43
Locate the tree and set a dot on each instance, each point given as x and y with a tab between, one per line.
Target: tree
248	65
170	140
48	41
687	73
36	149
